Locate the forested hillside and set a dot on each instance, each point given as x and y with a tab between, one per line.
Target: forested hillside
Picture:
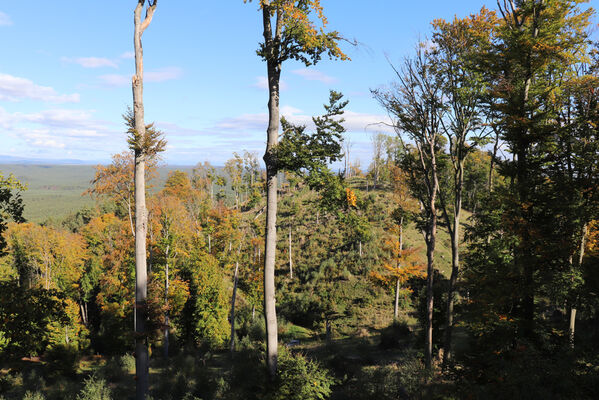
461	263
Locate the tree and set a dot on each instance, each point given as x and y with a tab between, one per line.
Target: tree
145	142
457	45
116	182
534	41
289	33
416	104
402	266
11	205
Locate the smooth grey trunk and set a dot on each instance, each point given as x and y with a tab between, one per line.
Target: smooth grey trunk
454	230
431	238
274	73
360	248
166	314
233	298
396	305
572	327
141	279
492	166
290	259
209	245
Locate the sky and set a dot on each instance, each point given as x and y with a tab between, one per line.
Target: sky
66	67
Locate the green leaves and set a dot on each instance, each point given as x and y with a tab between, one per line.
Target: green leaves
299	151
148	144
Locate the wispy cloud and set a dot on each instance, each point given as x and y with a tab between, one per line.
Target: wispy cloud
5	19
14	88
114	80
128	55
58	129
163	74
354	121
92	62
261	83
312	74
159	75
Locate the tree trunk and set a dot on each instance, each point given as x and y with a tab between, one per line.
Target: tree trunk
430	256
573	308
141	280
270	245
290	259
455	263
166	313
233	298
360	247
396	305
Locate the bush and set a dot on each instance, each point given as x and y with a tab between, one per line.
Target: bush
94	389
33	396
63	359
395	335
127	363
301	379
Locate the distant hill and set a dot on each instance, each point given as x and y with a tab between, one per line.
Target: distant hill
55	190
5	159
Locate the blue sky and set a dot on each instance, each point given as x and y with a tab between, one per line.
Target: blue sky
66	68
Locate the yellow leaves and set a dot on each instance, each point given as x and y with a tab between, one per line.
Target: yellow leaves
351	198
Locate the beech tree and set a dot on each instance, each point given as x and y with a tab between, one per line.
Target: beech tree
289	34
457	45
145	142
416	104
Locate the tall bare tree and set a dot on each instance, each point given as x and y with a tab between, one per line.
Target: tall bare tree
145	142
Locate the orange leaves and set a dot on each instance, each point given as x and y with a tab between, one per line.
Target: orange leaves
308	34
351	198
402	265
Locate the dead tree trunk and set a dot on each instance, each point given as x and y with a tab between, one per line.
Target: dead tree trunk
233	298
141	279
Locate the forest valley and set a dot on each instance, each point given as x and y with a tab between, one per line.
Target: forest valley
461	264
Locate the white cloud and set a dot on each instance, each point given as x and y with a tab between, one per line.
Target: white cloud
5	19
163	74
354	121
115	79
128	55
57	129
159	75
13	88
93	62
262	83
244	122
312	74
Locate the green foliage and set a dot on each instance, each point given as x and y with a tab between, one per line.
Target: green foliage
33	396
300	378
204	317
27	313
63	359
95	389
148	144
298	150
11	205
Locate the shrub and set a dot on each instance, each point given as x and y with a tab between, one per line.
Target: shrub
301	379
63	359
33	396
127	363
94	389
395	335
